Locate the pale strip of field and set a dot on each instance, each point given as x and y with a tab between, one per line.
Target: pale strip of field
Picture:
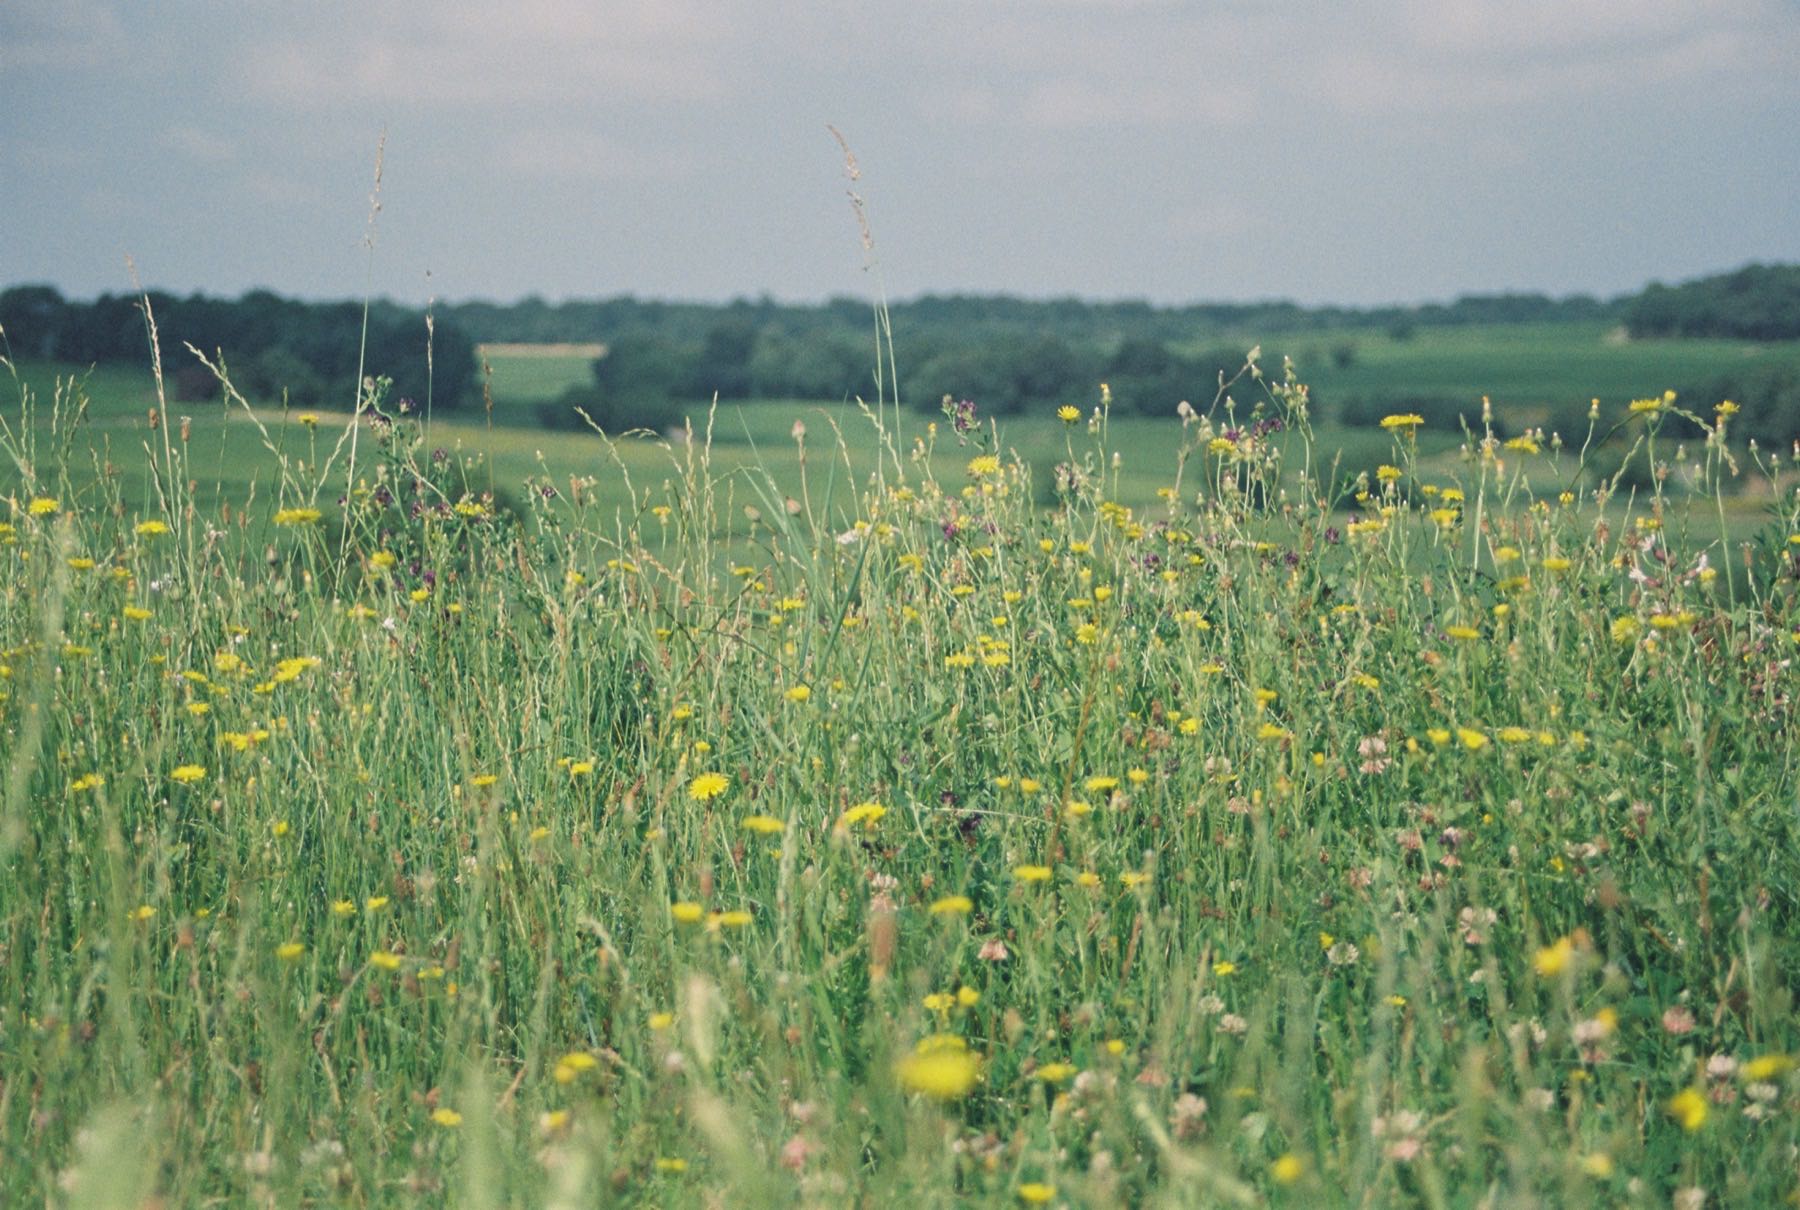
591	350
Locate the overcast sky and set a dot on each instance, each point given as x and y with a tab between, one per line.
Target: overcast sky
1323	150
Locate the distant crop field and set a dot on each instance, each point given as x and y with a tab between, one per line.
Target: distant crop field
1525	369
525	374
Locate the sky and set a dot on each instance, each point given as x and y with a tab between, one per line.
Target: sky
1318	150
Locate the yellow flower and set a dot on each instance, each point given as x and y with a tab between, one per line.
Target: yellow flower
1597	1164
1689	1107
866	813
1465	633
799	693
661	1021
1471	739
983	464
296	516
1553	959
1068	413
1626	628
1056	1073
1766	1067
737	918
1031	873
1223	969
939	1067
1290	1167
187	775
374	903
143	911
289	951
343	907
448	1118
1037	1192
686	912
1408	421
42	506
953	905
707	786
666	1164
580	768
569	1068
766	825
385	960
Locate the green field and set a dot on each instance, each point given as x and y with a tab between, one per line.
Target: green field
932	841
1523	368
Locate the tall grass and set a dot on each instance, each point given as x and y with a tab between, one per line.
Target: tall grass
931	845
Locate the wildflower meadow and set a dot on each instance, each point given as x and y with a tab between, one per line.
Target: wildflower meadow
879	834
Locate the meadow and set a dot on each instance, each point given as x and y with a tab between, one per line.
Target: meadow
1103	812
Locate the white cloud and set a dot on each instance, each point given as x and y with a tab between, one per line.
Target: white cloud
61	36
462	55
585	155
198	144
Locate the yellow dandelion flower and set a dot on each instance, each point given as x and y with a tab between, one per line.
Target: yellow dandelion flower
289	951
1766	1067
939	1067
708	786
43	506
1471	739
1036	1193
1407	421
953	905
1031	873
687	912
296	516
1289	1168
866	813
1068	413
1689	1107
766	825
385	959
187	775
1553	959
1056	1073
446	1117
982	465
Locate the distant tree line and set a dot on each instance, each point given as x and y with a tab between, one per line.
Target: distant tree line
1008	354
1757	302
272	346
